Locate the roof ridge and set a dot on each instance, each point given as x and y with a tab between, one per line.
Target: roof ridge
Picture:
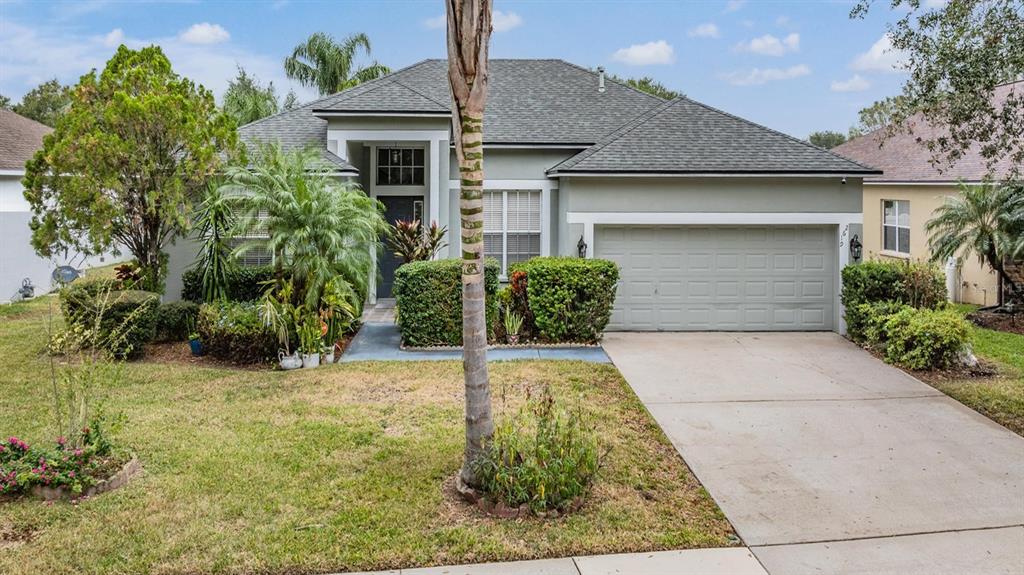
784	135
608	77
616	134
414	90
323	98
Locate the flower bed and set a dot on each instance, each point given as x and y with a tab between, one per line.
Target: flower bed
63	471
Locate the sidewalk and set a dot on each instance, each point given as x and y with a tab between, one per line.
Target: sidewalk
727	561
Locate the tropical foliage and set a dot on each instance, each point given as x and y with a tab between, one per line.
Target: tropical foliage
330	66
214	222
246	100
410	242
986	221
125	161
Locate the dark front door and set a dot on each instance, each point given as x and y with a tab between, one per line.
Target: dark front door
395	208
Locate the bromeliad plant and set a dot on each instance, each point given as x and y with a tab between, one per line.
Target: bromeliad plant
411	243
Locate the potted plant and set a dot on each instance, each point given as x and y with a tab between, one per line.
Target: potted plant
513	323
310	342
279	314
336	315
193	337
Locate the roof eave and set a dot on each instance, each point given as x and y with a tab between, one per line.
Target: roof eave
717	173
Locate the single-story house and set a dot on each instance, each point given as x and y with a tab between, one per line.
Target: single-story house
20	137
716	222
899	202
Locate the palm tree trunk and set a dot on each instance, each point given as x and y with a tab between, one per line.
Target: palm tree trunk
469	31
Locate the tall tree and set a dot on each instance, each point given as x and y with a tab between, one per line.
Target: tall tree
986	221
826	139
290	101
125	162
247	101
957	54
329	66
5	102
45	103
876	116
469	35
649	85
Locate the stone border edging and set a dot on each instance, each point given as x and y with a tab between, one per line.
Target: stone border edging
115	481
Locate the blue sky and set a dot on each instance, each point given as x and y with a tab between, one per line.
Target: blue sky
793	66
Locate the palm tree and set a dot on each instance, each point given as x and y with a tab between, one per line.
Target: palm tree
215	222
328	66
984	220
321	232
469	33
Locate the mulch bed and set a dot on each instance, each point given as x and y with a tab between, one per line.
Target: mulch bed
984	369
179	352
998	321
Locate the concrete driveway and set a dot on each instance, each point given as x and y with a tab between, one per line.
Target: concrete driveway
826	460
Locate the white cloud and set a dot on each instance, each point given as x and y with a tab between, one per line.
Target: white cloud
436	22
29	56
660	52
707	30
881	57
758	76
769	45
504	21
205	33
782	21
114	38
856	83
734	5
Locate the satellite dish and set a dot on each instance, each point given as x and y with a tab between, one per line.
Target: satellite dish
65	275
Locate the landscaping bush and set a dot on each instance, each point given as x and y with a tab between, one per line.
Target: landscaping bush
74	466
875	315
243	283
545	457
924	338
915	284
118	322
569	299
76	299
172	320
428	295
234	331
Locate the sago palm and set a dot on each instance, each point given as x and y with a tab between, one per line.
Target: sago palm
986	221
329	66
319	229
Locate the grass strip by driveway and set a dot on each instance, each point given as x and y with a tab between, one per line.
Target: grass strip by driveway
999	398
335	469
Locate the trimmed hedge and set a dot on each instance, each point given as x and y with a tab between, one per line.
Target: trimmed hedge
428	295
915	284
233	331
919	338
244	283
172	320
126	319
569	299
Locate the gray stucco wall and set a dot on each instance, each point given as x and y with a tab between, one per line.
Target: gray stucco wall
516	164
656	194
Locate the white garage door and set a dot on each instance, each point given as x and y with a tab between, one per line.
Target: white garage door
729	278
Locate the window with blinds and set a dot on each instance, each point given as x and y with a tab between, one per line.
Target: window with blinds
511	226
256	255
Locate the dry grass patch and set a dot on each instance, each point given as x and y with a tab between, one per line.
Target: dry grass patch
325	470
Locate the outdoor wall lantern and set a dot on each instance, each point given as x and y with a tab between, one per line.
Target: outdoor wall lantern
856	248
581	247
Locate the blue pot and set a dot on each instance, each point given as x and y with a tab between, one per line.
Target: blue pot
196	345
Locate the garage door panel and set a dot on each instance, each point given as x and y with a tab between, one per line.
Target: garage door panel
721	277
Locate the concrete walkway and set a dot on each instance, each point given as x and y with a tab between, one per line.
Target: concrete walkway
826	460
731	561
381	341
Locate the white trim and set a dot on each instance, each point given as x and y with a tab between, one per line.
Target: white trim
435	181
942	183
545	184
343	137
559	174
12	172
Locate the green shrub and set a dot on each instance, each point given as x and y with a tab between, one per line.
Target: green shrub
924	338
874	317
569	299
118	322
172	320
234	331
77	298
428	295
915	284
243	283
545	457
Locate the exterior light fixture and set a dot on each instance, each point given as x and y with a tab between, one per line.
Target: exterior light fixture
581	247
856	248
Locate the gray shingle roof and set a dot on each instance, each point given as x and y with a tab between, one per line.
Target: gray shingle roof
20	137
294	129
682	136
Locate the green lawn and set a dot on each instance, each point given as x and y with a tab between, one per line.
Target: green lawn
1000	398
340	468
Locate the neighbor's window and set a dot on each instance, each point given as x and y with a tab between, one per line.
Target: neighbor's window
255	236
511	226
399	166
896	226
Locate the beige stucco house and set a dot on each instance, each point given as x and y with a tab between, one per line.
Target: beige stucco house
898	203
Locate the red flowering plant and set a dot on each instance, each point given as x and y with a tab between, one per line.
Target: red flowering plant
23	466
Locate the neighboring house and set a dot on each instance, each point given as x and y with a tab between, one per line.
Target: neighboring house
898	203
20	137
717	223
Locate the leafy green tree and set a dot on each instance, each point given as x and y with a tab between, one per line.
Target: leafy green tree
957	55
246	100
329	66
290	101
649	85
986	221
876	116
45	103
125	162
5	102
321	231
826	139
